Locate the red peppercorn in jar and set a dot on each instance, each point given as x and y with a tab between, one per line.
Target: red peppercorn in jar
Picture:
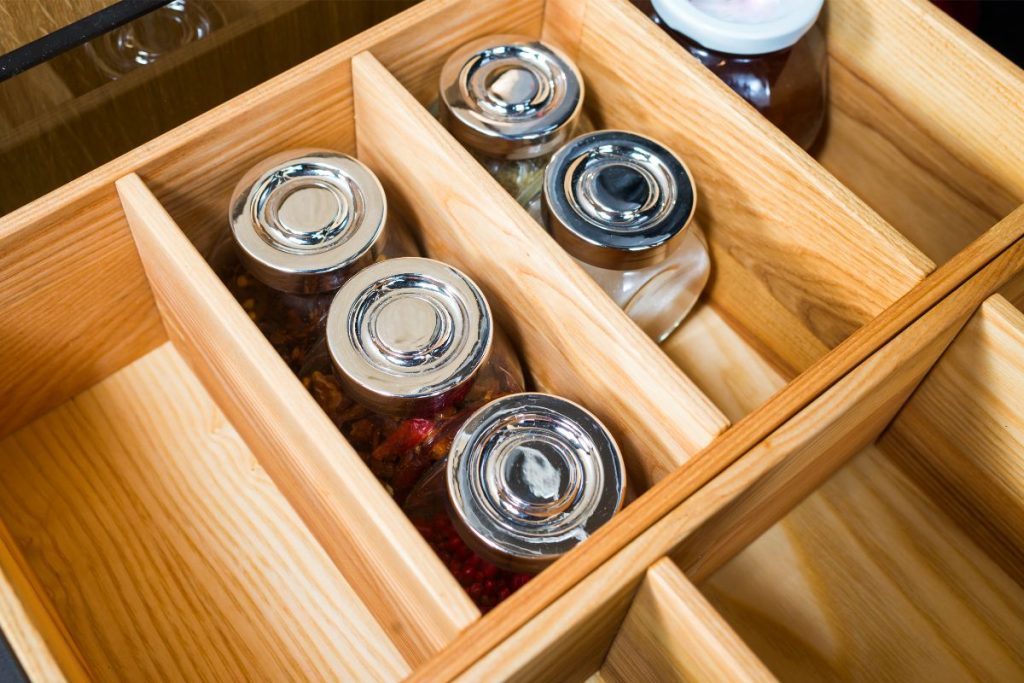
771	52
527	478
410	352
302	222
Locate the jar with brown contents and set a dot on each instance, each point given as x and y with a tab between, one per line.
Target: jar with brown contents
527	478
512	101
410	352
302	222
770	52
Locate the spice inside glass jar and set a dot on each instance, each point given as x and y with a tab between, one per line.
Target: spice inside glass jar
527	478
512	101
622	205
770	52
410	352
301	223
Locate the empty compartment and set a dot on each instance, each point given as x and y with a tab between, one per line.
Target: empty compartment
872	576
163	548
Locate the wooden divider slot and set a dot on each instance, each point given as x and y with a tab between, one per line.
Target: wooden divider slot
381	554
961	434
672	633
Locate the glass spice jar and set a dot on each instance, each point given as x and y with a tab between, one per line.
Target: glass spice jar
410	352
512	101
770	52
301	222
526	479
622	205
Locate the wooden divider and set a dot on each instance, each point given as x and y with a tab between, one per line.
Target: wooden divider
926	122
962	436
672	633
574	340
381	554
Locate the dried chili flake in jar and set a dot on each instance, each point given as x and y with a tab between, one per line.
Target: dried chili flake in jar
527	478
302	222
410	352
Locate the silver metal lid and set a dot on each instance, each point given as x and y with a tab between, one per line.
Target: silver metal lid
510	96
530	476
618	200
305	220
408	335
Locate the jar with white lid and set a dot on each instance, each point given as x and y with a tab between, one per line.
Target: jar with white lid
512	101
301	223
527	478
622	205
771	52
410	351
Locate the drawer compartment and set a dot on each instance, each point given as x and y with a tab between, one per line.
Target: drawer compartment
165	551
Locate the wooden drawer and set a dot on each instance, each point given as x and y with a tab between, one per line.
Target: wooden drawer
177	506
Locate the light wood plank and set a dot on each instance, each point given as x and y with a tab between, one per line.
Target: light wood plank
961	435
563	25
672	633
167	551
30	624
946	125
574	339
384	558
869	580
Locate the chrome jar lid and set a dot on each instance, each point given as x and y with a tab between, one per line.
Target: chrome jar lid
530	476
618	200
304	220
510	96
408	335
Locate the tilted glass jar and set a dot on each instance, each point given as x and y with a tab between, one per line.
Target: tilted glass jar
770	52
512	101
622	205
527	478
411	350
301	222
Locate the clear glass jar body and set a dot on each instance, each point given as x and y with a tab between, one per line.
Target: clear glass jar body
292	322
428	509
523	178
790	87
399	449
659	297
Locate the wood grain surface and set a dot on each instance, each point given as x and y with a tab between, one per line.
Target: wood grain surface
961	434
672	633
573	338
869	579
935	144
22	22
391	568
167	551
